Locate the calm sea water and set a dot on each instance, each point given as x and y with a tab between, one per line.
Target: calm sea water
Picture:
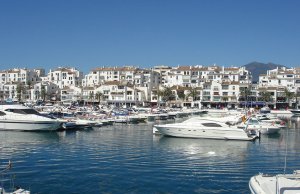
129	159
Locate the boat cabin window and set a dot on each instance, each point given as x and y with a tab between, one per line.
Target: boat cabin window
211	125
2	113
23	111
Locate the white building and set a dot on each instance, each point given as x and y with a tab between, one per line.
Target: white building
101	75
44	91
18	75
119	94
71	94
65	77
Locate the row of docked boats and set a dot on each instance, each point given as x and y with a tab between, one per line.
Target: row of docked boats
19	117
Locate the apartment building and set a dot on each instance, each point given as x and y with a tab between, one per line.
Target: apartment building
44	91
163	72
65	76
121	94
18	75
277	82
101	75
71	94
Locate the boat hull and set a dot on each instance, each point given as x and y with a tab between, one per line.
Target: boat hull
295	112
226	134
269	130
29	126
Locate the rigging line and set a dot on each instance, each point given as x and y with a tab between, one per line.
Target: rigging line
285	152
7	167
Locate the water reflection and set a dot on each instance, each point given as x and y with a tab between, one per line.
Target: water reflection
205	147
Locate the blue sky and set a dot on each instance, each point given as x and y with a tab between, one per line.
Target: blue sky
94	33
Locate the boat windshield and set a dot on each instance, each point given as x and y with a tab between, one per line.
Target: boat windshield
253	122
23	111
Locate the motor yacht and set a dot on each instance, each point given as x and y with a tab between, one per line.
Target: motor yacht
206	128
281	183
18	117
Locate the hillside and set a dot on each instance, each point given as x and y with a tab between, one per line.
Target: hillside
257	68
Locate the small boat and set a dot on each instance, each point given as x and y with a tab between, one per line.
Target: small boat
281	183
121	119
263	127
265	110
17	190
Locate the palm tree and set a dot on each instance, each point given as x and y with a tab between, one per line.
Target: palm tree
289	95
28	88
296	96
19	90
266	96
166	94
245	93
91	96
180	94
225	99
43	92
193	93
98	96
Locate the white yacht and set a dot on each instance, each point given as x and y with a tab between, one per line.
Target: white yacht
18	117
206	128
281	183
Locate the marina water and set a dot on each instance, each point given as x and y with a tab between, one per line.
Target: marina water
130	159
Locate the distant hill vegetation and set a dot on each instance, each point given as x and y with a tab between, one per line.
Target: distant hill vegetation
257	68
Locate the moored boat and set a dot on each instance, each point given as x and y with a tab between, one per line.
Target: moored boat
18	117
206	128
281	183
262	127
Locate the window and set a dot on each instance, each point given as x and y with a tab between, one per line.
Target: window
211	125
225	87
2	113
23	111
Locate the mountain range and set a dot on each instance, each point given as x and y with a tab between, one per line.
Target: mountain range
257	68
